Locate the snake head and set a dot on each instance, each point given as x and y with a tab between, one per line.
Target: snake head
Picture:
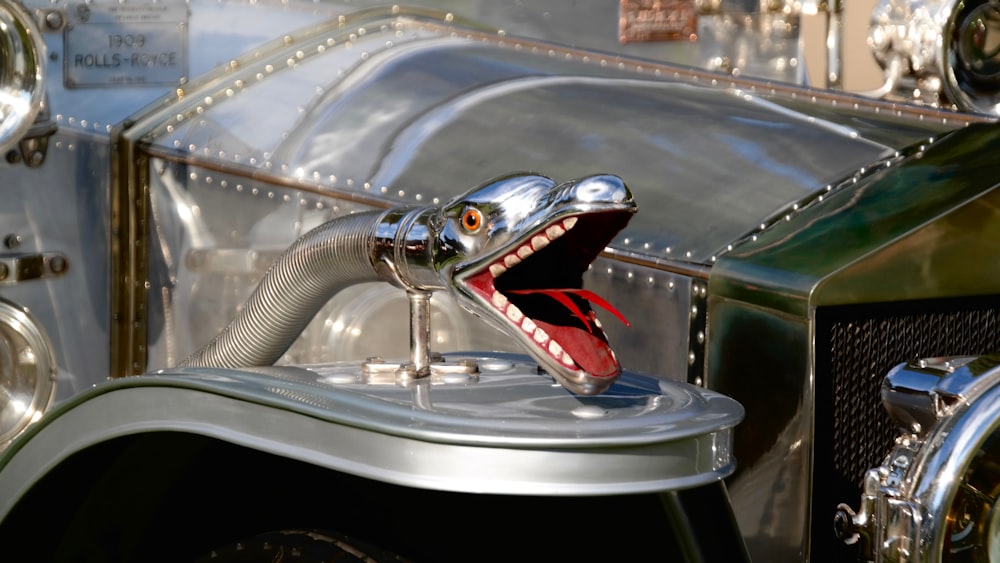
514	253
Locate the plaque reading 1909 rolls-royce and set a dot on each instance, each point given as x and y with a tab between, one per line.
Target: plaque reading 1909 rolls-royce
125	44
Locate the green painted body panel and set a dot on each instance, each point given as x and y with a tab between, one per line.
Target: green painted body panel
870	239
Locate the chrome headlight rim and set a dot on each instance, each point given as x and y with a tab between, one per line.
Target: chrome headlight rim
31	360
22	76
969	88
940	467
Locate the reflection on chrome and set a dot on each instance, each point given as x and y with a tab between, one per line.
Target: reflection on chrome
934	497
975	56
22	87
512	251
939	52
27	371
369	320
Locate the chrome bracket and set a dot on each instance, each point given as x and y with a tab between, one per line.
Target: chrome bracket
886	524
440	371
33	147
423	364
16	268
420	333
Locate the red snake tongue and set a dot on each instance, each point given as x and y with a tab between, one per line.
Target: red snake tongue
561	296
589	352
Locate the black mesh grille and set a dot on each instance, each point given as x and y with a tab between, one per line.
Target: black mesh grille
857	345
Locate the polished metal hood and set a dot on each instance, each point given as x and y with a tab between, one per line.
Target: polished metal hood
403	108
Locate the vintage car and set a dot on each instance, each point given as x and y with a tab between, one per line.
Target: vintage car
243	239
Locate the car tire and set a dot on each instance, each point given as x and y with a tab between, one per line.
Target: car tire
301	546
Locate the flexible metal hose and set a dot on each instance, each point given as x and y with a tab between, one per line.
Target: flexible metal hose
329	258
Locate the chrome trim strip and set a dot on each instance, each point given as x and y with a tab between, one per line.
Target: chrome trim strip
689	269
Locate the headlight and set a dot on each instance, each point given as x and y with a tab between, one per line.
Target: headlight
939	51
21	77
971	45
27	371
934	497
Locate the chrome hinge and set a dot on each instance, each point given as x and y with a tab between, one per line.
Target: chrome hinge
16	268
33	147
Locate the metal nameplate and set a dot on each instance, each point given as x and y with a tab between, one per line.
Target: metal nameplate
125	44
657	20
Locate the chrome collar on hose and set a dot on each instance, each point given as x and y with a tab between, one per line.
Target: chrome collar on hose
512	252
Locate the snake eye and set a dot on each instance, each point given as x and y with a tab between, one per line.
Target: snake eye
472	219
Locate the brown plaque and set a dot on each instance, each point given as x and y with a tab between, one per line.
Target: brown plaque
657	20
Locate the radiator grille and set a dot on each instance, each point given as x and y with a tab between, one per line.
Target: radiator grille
858	344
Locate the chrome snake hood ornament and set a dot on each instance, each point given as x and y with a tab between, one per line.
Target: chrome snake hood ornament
512	252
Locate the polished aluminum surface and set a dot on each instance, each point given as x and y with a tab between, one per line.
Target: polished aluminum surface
509	432
364	135
71	306
562	111
61	209
97	110
22	267
739	38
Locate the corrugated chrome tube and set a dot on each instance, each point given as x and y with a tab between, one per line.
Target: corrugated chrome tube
322	262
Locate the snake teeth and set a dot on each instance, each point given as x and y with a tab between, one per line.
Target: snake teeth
537	242
529	327
540	336
515	315
499	300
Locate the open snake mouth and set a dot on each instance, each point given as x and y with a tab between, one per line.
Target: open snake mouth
537	288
